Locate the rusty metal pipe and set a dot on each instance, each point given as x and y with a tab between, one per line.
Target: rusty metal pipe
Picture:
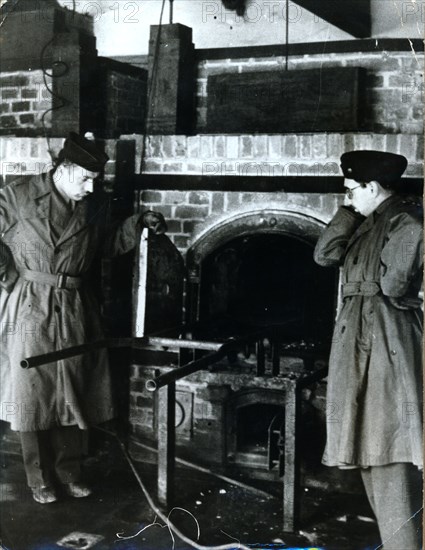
52	357
154	384
135	343
232	344
140	343
181	343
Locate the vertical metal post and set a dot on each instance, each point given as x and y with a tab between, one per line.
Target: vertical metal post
171	12
261	358
291	474
166	442
287	33
275	357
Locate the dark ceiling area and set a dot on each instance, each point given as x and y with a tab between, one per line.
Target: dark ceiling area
352	16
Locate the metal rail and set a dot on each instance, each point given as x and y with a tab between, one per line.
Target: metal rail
134	343
154	384
149	341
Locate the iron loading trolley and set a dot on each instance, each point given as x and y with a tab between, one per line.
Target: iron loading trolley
195	355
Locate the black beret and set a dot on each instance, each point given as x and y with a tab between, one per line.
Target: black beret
366	166
83	152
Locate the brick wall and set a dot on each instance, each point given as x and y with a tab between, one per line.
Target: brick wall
24	99
393	99
269	155
142	402
112	102
225	155
201	433
190	214
125	103
394	84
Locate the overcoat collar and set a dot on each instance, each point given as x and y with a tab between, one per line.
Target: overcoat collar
41	186
393	199
40	193
371	219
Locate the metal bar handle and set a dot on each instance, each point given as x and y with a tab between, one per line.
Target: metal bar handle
154	384
135	343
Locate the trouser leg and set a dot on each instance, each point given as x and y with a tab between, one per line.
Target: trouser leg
37	457
396	491
66	442
367	482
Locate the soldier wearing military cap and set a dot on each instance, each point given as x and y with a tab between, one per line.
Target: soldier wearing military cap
375	367
51	230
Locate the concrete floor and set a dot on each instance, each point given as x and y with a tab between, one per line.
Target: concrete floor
226	513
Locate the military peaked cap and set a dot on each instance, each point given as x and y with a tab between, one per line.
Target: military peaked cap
83	152
366	166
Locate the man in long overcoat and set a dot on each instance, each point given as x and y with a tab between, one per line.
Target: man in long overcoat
52	228
374	398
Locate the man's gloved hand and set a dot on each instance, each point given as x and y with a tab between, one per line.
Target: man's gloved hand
348	204
155	221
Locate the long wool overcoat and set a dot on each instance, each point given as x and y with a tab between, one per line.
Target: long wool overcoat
374	396
38	318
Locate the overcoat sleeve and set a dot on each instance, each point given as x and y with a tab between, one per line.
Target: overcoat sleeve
402	255
331	246
8	218
8	209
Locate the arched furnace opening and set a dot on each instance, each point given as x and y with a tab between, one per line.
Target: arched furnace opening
256	270
262	280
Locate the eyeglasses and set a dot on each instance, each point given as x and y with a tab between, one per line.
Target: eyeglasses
349	191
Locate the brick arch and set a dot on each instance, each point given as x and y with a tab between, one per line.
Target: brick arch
257	396
295	224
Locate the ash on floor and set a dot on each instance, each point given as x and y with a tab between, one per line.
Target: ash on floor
117	515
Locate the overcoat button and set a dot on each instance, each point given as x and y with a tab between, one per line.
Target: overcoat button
393	352
57	309
356	259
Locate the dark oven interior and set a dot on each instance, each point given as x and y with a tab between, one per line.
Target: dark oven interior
263	280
